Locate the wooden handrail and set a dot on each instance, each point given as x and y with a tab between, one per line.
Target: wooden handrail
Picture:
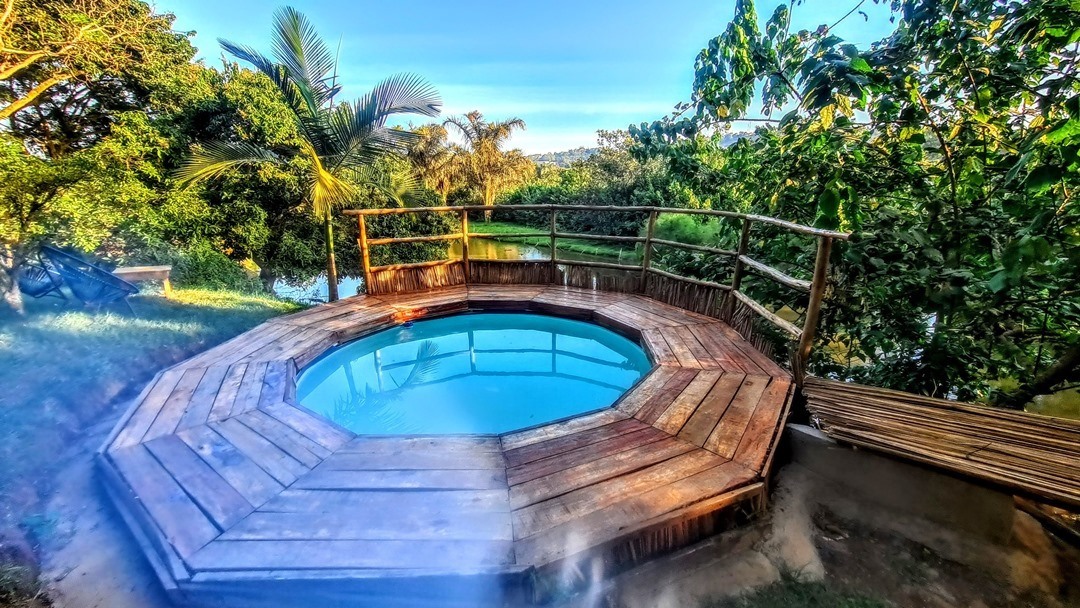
816	288
764	219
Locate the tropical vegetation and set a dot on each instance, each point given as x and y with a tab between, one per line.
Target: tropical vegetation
949	149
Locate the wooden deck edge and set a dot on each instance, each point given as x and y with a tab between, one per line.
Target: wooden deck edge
781	424
165	563
651	538
386	589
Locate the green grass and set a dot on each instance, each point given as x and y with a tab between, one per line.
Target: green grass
789	593
64	367
578	246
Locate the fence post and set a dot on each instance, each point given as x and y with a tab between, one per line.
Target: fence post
737	272
646	257
813	308
365	258
465	243
554	269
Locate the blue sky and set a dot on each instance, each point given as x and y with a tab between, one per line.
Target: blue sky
566	68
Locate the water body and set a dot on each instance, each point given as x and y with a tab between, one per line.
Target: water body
479	249
479	373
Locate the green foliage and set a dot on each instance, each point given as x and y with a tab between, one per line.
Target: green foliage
203	266
611	176
959	187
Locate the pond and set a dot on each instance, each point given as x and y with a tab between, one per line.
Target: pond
479	249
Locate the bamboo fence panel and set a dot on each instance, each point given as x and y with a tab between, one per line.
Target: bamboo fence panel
1026	453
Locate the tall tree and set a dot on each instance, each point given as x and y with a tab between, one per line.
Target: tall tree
339	144
436	161
49	43
488	168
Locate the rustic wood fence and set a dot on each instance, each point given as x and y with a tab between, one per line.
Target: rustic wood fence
728	302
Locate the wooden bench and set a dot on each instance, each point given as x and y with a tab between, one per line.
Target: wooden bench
133	274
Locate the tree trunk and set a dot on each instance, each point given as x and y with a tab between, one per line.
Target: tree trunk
268	279
1057	373
331	265
9	283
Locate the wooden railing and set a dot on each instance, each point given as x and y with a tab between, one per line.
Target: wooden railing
734	296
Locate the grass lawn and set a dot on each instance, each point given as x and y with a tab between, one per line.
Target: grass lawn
66	369
578	246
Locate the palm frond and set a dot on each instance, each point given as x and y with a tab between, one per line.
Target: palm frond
403	188
426	364
404	94
304	55
360	135
325	189
214	158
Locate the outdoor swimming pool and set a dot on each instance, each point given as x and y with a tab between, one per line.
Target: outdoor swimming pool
477	373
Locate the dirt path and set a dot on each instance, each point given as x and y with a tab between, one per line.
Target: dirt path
89	559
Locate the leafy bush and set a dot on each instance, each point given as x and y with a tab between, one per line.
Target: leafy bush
201	265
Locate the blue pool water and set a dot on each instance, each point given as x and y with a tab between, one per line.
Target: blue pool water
471	373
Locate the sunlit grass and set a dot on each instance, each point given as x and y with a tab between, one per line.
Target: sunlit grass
63	365
575	245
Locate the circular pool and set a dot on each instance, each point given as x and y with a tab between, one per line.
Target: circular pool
478	373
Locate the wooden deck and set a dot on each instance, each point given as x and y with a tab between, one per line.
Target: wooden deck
238	494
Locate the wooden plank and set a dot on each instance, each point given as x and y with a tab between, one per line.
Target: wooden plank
438	479
648	387
350	501
702	357
143	417
659	402
568	507
598	526
307	424
436	443
544	449
286	439
275	383
265	555
246	477
559	429
223	402
247	396
767	365
175	406
727	435
405	459
268	456
675	416
589	473
389	524
763	425
180	520
657	347
202	400
728	356
210	491
712	407
643	435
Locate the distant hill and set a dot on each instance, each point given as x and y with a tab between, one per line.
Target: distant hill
563	159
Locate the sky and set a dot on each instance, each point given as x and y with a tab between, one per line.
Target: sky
568	68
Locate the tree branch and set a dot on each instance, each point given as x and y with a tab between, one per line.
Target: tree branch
32	95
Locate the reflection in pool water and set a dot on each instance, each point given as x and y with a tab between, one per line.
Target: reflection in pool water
472	373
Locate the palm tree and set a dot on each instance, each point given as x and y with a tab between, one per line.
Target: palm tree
339	143
437	162
489	169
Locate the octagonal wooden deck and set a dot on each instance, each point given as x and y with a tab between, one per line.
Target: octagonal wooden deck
240	496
